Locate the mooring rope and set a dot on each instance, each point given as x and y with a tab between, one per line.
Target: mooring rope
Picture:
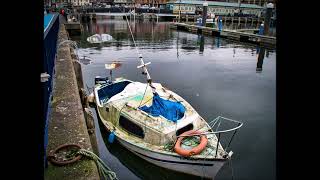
104	170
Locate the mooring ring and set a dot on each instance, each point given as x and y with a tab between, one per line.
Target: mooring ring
53	160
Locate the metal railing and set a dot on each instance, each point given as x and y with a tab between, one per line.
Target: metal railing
234	129
215	125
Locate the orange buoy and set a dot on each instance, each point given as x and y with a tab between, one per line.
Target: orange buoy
194	151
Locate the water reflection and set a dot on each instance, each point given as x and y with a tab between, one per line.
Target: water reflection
267	53
232	89
201	42
156	32
177	46
217	39
260	59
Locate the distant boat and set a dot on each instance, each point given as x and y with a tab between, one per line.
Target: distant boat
99	38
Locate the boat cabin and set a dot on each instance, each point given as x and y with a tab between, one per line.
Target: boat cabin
154	116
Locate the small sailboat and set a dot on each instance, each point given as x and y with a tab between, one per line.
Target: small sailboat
99	38
161	127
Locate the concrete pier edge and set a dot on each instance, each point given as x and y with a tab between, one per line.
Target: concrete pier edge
67	123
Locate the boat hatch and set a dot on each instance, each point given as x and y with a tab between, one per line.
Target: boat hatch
131	127
184	129
107	92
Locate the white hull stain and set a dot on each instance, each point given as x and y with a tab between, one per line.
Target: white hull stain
206	169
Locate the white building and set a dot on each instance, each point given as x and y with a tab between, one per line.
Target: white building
80	2
218	8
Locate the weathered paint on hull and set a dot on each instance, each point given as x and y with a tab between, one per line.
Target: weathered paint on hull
207	169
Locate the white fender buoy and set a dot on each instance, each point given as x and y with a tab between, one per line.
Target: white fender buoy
91	98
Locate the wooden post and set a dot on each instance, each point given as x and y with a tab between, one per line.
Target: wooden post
268	18
204	14
245	22
251	22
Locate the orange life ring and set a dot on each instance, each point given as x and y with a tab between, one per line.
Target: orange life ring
194	151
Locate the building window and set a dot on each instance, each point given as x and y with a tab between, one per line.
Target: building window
131	127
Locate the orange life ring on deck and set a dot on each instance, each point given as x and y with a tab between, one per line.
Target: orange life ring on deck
194	151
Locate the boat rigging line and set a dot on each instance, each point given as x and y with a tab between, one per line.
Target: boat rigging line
143	65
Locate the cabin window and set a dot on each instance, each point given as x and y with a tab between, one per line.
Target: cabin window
131	127
184	129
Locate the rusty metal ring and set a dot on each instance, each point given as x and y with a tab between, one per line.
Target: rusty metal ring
52	159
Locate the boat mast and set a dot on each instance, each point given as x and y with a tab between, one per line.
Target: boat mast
142	65
145	70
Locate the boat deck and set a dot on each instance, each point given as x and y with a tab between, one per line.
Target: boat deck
137	94
129	104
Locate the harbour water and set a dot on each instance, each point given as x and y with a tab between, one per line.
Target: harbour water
216	76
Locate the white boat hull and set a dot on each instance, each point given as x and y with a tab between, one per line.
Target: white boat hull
206	169
111	111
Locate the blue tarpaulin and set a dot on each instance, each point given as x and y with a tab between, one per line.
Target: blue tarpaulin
171	110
